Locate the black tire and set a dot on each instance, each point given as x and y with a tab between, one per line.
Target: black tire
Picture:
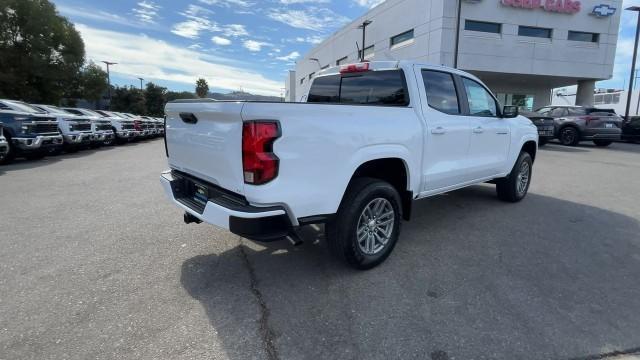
569	136
543	142
342	232
602	143
511	189
9	156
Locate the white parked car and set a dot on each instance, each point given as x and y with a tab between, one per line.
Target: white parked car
371	139
104	131
123	126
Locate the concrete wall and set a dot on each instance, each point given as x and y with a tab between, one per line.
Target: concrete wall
505	61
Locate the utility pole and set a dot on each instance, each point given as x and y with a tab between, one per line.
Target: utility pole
363	26
141	80
109	79
633	62
457	48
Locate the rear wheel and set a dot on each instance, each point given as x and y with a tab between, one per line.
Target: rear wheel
569	136
367	225
514	187
602	143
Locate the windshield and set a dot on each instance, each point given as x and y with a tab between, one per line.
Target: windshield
52	109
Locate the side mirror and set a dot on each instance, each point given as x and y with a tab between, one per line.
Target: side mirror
510	111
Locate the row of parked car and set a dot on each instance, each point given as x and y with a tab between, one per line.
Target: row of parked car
34	131
573	124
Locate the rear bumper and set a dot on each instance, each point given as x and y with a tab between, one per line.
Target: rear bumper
228	211
601	134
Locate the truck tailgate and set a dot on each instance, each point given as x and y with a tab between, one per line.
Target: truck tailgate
204	139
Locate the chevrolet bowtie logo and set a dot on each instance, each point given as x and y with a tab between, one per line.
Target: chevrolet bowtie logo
603	10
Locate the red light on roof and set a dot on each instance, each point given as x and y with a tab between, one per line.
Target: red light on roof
354	68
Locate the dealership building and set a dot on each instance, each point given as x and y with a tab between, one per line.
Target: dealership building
522	49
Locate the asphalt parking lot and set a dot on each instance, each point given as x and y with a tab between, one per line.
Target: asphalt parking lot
97	264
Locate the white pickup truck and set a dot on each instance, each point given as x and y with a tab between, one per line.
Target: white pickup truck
371	139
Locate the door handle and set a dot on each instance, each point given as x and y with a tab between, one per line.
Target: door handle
188	118
502	132
478	130
438	131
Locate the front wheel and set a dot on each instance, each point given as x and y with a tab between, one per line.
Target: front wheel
8	157
543	141
367	225
569	136
514	187
602	143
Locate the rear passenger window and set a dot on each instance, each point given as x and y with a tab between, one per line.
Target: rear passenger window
441	91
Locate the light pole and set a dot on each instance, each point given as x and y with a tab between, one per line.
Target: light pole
109	79
457	48
363	26
633	62
141	80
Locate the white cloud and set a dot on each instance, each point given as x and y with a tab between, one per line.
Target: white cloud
292	56
218	40
171	63
254	46
314	40
99	15
196	22
369	3
312	18
235	30
147	11
227	3
288	2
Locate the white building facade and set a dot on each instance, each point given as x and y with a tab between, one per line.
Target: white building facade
522	49
603	98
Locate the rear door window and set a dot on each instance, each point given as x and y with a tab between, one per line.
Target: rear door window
559	112
383	88
441	91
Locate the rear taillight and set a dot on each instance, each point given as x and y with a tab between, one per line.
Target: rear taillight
588	119
259	163
354	68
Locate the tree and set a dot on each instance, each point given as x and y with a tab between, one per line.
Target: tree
202	88
93	82
173	95
128	99
41	52
155	99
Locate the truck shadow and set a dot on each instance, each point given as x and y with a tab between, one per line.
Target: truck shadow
470	277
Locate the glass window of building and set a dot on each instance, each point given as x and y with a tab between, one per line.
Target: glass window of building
583	36
441	91
531	31
402	38
483	26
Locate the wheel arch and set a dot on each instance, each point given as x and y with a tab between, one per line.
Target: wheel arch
395	171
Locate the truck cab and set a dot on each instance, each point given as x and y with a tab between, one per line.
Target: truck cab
28	133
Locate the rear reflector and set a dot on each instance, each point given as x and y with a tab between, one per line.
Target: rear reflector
259	163
354	68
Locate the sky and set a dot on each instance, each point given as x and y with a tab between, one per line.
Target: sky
234	44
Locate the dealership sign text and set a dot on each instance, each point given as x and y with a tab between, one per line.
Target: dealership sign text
559	6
